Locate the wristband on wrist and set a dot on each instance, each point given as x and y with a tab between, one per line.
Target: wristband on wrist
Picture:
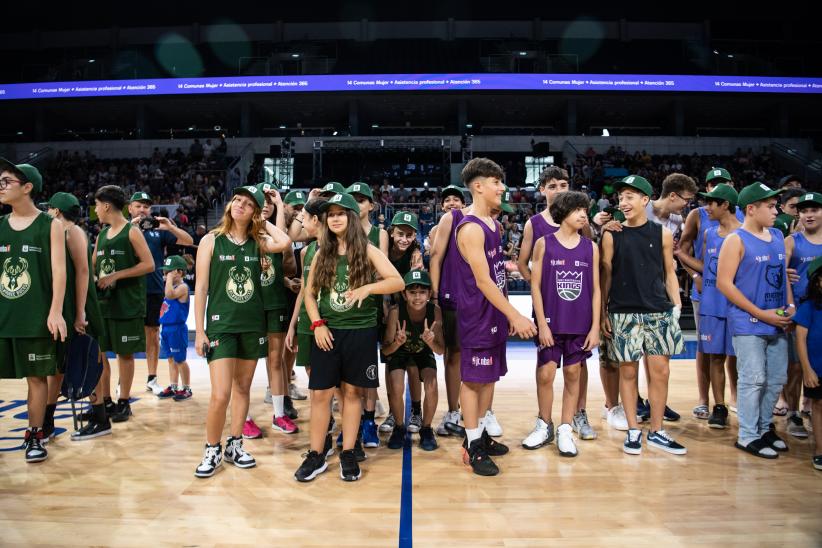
318	323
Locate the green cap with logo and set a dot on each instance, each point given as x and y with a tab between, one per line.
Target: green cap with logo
265	187
452	190
809	199
252	192
332	188
140	197
815	265
505	205
343	200
717	174
722	192
755	192
637	182
64	201
406	218
417	277
783	222
295	197
174	262
360	188
26	172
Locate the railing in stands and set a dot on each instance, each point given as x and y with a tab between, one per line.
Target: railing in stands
809	168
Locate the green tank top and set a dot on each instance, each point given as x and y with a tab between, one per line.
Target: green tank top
374	236
272	283
413	331
235	301
337	312
25	279
303	321
94	317
69	305
127	297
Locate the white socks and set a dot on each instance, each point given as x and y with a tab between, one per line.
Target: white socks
279	405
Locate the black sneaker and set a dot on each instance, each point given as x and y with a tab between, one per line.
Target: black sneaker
92	430
493	447
662	440
477	457
670	415
349	469
88	415
33	444
212	460
359	452
428	442
122	411
313	465
397	438
719	417
774	442
328	447
633	442
817	462
288	407
48	430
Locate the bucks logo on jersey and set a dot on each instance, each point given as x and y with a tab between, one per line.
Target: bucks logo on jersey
267	277
15	280
239	286
336	297
107	267
569	285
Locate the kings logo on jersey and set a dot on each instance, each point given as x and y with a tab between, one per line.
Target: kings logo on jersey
569	285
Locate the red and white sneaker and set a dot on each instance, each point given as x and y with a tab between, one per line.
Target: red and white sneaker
285	425
251	431
167	393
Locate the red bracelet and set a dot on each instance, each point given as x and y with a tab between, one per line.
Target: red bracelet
318	323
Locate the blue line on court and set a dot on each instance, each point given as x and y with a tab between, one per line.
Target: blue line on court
406	533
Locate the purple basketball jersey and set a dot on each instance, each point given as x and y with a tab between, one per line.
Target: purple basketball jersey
450	262
540	228
479	323
567	286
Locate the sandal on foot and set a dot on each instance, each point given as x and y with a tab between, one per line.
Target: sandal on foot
758	448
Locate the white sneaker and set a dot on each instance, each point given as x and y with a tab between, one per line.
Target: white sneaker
617	419
212	460
448	416
582	427
565	441
542	434
237	455
154	387
387	425
295	393
491	425
267	399
414	423
379	410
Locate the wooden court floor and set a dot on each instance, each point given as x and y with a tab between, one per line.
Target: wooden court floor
137	488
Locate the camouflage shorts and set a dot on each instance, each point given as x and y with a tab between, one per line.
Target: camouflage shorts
636	335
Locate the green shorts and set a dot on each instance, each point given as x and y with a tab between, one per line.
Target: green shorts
123	336
304	349
421	360
34	357
275	321
449	330
242	346
636	335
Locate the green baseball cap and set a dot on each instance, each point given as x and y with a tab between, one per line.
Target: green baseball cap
755	192
505	205
343	200
406	218
332	188
26	172
815	265
174	262
783	222
265	187
360	188
452	190
140	197
295	197
417	277
252	192
636	182
718	173
810	199
723	192
63	201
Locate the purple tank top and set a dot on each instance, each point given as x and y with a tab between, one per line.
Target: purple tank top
540	228
479	323
567	286
450	262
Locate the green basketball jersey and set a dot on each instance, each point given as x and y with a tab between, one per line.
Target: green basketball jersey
25	280
94	317
337	312
303	321
374	236
235	300
127	297
413	331
69	301
272	283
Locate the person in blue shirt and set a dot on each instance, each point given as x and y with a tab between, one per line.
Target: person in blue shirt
159	234
174	335
808	321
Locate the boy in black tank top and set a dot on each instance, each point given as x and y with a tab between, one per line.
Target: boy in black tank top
641	307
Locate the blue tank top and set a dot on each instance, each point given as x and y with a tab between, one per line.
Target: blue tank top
479	323
803	253
173	312
705	222
714	303
761	278
450	262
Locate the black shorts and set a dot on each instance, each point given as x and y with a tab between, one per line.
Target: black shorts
421	360
352	360
812	393
449	330
290	303
154	302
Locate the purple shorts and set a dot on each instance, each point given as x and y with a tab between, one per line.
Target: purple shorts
567	350
483	365
715	336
